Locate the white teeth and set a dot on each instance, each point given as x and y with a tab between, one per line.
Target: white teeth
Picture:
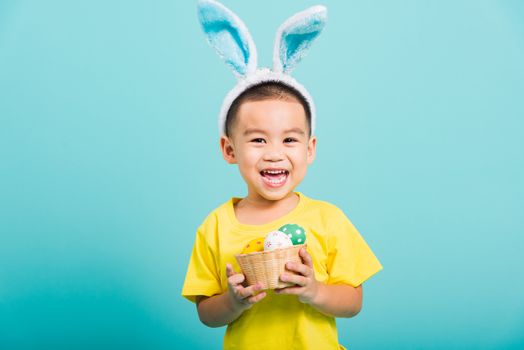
277	178
274	172
276	182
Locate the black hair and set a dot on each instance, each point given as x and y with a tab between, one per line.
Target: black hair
265	91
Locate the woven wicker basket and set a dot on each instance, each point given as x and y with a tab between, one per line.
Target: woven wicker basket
266	267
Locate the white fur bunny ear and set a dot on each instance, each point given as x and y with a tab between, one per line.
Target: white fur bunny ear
294	37
229	36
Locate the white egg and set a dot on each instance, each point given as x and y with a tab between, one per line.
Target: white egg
276	240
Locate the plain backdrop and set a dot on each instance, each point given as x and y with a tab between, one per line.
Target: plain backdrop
109	161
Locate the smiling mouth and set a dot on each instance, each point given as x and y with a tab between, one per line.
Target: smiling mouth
274	177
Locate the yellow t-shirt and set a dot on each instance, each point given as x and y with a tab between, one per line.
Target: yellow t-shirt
339	254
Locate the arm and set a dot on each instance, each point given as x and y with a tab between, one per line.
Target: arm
335	300
222	309
338	300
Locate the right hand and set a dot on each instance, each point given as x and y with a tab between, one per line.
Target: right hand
242	297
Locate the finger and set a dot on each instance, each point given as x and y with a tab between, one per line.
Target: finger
229	270
295	279
306	258
300	268
290	290
236	279
249	291
256	298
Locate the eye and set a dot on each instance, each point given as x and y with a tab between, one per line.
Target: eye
258	140
290	140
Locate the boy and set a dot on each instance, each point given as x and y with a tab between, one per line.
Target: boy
267	130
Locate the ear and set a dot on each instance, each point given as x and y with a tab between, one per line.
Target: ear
311	149
294	37
229	36
228	152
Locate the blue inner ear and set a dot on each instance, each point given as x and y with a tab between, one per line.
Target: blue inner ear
297	38
295	46
224	35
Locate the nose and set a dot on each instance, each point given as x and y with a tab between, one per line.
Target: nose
274	154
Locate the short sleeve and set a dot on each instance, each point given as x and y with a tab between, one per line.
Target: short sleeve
350	260
202	277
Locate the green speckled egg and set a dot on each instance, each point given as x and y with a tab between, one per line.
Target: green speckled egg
295	232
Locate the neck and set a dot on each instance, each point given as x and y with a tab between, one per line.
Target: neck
260	203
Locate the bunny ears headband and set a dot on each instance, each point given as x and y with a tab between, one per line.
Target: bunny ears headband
233	43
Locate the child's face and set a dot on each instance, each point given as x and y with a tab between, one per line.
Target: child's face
270	143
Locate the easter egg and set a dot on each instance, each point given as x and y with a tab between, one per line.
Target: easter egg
276	240
296	233
255	245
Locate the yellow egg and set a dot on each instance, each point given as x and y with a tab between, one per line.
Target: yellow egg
256	245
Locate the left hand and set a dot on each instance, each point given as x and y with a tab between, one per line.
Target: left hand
306	286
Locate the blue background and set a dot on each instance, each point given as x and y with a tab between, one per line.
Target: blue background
109	160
